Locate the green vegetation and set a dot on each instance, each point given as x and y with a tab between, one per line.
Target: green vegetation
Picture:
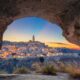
3	72
22	70
45	69
37	67
73	71
49	70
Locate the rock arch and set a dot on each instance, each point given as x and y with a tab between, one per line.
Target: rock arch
65	13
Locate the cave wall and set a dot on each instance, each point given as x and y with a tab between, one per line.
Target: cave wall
65	13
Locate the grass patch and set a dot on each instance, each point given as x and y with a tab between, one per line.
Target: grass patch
73	71
45	69
22	70
49	70
3	72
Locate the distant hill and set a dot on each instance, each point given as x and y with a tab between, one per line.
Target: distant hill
67	50
63	45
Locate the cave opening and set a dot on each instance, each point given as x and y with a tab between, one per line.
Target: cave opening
23	29
33	30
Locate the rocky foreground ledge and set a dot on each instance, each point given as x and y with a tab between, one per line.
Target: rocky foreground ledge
33	77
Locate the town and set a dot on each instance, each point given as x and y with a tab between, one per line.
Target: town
32	48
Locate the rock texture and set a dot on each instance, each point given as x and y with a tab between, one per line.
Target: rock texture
65	13
35	77
39	77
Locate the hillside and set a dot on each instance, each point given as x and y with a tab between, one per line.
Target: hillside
63	45
36	48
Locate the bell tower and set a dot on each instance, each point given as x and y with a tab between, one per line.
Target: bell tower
33	38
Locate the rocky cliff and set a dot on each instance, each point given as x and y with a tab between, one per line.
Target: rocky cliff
65	13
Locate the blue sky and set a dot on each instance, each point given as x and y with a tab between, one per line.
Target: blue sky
23	29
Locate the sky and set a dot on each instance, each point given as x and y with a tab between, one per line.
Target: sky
44	31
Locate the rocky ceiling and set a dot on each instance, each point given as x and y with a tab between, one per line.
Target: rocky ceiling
65	13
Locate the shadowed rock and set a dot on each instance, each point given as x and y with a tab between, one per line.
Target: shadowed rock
65	13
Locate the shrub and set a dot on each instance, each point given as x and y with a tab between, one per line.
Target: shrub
36	67
65	68
3	72
48	70
22	70
62	68
75	73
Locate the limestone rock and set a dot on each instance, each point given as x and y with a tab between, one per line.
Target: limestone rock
65	13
